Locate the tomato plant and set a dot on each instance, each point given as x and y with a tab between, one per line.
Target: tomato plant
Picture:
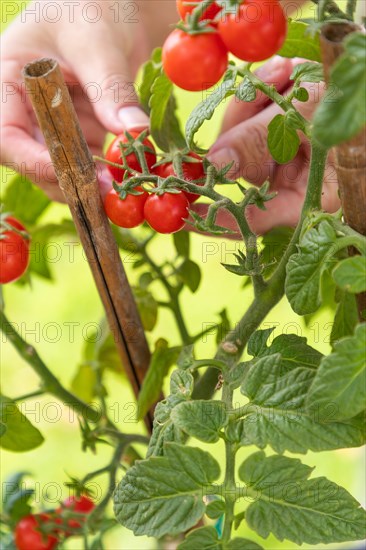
28	534
125	212
262	365
256	32
165	213
194	62
114	154
14	250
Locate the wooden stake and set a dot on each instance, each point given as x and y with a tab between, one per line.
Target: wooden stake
350	156
75	170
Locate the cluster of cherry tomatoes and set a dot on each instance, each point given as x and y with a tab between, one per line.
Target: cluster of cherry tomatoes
14	249
165	212
28	532
195	58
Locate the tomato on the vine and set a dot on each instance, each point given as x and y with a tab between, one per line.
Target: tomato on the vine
256	32
191	171
113	154
127	212
28	536
194	62
165	212
184	7
14	252
79	505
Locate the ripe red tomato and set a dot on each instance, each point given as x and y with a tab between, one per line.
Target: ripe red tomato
128	212
27	536
113	154
165	213
80	505
194	62
191	170
256	32
14	252
183	8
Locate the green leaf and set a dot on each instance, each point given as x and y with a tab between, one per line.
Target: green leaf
342	112
161	361
182	243
346	317
206	109
164	125
236	433
150	71
147	306
23	199
242	544
274	244
215	509
163	428
190	274
206	538
257	343
290	506
16	497
84	383
299	43
246	90
201	419
340	379
164	495
308	72
350	274
277	415
283	140
20	434
305	268
181	383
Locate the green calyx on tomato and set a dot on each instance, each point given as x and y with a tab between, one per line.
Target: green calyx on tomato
189	167
133	151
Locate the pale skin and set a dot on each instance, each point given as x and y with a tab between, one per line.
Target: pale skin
99	60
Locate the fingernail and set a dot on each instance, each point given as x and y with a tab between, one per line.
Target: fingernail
223	157
133	118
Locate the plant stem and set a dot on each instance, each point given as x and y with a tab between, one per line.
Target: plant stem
36	393
229	483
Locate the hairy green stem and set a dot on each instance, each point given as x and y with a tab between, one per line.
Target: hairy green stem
229	482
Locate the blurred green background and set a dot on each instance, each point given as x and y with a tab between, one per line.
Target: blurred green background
57	317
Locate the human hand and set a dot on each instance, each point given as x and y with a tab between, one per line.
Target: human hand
243	140
98	59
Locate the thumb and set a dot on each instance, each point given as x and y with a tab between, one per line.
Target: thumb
106	80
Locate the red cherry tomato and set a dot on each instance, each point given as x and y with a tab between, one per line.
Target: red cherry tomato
184	7
14	252
194	62
28	537
128	212
113	154
256	32
165	213
80	505
191	170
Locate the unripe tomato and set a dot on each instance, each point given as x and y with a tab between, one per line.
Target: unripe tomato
256	32
14	252
194	62
28	537
113	154
184	7
191	171
165	213
128	212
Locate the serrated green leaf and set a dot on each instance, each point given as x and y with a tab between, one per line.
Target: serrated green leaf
346	317
206	109
182	243
206	538
342	112
181	383
150	71
341	377
257	343
277	415
283	140
299	43
292	507
350	274
161	361
201	419
246	90
242	544
308	72
215	509
23	199
305	268
190	274
164	495
20	435
164	125
163	428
